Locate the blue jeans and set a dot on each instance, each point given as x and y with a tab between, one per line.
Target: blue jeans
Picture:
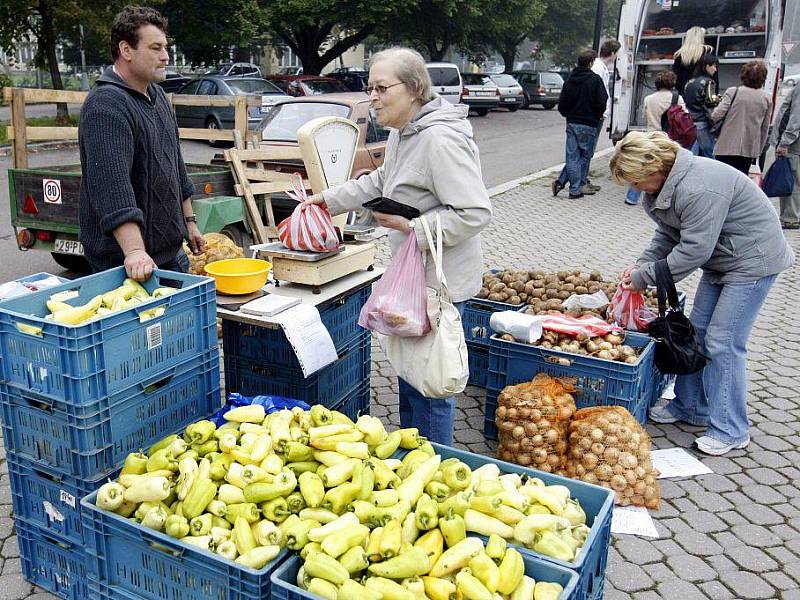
704	145
562	177
581	140
432	416
179	264
723	315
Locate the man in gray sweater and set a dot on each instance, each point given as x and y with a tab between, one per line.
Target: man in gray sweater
135	206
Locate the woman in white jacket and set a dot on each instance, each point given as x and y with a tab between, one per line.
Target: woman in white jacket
431	164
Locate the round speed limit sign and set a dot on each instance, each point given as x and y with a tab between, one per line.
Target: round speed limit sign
52	191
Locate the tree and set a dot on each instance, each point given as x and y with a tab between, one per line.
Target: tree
504	26
205	30
434	26
42	20
319	31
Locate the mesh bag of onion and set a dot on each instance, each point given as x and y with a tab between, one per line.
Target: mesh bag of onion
533	422
608	447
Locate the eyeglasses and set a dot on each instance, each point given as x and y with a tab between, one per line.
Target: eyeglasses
381	89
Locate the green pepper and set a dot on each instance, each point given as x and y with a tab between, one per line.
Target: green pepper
246	510
438	491
161	444
162	459
336	499
201	525
453	528
177	526
297	452
389	446
457	476
458	503
135	464
427	513
283	484
295	502
299	468
200	432
550	544
276	510
321	415
206	448
199	497
297	536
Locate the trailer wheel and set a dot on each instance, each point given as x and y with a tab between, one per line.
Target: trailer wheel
71	262
239	236
213	125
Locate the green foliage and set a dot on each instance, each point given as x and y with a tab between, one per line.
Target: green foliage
505	25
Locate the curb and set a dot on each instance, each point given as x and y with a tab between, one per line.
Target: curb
7	150
514	183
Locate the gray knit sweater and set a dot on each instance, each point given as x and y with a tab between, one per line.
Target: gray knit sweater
132	171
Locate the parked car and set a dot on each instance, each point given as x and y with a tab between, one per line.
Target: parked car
222	117
480	93
174	82
543	88
279	128
511	94
238	69
290	71
446	80
307	85
356	81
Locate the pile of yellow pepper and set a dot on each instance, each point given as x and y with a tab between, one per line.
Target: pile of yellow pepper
366	524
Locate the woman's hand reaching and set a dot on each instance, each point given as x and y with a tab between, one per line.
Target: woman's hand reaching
392	222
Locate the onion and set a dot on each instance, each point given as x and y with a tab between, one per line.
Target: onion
544	425
598	449
524	412
639	487
624	434
531	429
551	436
630	477
565	413
513	414
611	455
538	440
536	415
628	460
580	470
590	461
585	443
506	426
524	459
603	472
518	432
500	413
597	435
590	477
561	447
612	440
554	460
649	492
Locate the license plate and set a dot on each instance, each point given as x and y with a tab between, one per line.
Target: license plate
265	109
509	100
69	247
484	94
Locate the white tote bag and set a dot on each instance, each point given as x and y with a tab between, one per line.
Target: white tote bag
434	364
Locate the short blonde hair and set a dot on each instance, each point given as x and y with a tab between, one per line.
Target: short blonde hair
409	66
640	154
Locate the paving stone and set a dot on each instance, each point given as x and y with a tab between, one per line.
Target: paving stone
628	577
704	521
10	548
658	571
697	543
760	515
716	591
780	580
638	550
14	586
646	596
12	565
691	568
677	588
722	564
752	559
748	585
767	476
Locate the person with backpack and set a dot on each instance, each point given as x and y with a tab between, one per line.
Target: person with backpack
745	112
701	99
657	107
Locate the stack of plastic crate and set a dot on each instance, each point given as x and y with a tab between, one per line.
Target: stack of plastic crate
76	400
260	360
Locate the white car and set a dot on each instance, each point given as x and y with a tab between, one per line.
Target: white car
446	80
511	94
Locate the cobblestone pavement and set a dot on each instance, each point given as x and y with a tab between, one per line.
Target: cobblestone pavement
733	534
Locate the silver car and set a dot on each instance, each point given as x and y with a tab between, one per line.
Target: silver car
511	94
222	117
480	93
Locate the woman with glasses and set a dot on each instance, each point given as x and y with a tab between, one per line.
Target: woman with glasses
431	164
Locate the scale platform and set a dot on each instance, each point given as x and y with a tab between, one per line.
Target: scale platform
316	269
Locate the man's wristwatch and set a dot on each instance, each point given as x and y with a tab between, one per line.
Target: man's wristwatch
190	219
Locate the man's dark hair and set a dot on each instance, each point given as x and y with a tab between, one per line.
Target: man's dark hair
666	80
609	47
705	61
127	23
586	58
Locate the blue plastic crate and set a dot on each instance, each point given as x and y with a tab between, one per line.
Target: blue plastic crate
52	563
284	579
489	408
660	383
126	560
356	403
598	504
477	314
256	342
84	363
478	358
600	382
47	499
94	440
328	386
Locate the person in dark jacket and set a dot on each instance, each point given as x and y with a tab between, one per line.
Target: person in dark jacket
694	47
135	206
582	103
701	98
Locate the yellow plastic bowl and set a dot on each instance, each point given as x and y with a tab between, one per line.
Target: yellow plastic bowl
239	275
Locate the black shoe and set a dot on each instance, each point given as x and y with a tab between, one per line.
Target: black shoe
575	196
556	186
790	225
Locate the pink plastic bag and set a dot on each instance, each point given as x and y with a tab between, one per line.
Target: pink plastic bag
628	310
399	302
309	227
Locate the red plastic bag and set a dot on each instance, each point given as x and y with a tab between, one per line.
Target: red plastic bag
628	310
309	227
398	304
574	326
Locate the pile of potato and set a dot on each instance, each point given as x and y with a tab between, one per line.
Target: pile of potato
608	347
218	247
543	291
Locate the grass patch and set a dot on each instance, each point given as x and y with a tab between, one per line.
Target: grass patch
36	122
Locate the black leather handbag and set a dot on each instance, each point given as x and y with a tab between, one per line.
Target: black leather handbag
678	350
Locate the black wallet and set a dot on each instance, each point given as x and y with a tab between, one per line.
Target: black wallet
390	207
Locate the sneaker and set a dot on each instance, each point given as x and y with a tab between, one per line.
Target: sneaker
575	196
709	445
629	202
790	225
588	190
662	414
556	186
594	187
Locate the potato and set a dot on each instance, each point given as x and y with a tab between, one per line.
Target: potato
515	300
580	289
484	293
538	292
495	297
497	287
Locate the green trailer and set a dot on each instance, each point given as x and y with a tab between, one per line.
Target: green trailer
44	205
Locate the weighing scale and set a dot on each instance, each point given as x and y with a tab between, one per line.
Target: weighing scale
328	148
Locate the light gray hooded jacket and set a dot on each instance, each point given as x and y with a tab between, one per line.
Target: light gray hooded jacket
433	165
711	216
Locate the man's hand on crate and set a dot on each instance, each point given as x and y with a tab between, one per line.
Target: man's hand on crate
139	265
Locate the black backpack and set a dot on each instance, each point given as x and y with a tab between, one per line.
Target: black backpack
678	350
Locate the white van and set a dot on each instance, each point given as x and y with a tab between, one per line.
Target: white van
446	80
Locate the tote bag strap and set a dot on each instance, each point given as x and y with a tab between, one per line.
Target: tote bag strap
665	288
436	251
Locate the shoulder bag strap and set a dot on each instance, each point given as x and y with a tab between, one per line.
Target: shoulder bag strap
665	287
435	248
674	98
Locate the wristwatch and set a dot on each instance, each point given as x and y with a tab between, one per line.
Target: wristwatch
190	219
